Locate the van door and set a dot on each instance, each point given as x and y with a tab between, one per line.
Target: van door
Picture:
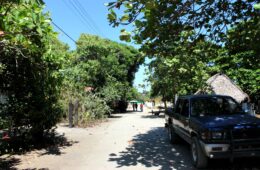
184	119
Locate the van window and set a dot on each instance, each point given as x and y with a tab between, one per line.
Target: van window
182	107
212	106
185	108
179	106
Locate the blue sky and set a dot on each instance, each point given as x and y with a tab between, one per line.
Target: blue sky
95	22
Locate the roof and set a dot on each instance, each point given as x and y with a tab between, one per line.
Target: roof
1	33
88	89
221	84
136	101
202	96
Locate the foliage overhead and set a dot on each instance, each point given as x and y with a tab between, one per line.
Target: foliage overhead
184	71
157	23
193	40
240	59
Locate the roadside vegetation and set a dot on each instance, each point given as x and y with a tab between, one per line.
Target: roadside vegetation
41	78
100	77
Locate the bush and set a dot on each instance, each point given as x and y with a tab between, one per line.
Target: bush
27	68
92	108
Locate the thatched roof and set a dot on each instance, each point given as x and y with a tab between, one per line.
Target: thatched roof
222	85
2	33
88	89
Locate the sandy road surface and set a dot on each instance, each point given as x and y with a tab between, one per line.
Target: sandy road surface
135	141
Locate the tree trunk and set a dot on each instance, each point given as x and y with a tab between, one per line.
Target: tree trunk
71	108
165	105
175	99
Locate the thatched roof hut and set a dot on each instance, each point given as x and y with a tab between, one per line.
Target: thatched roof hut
222	85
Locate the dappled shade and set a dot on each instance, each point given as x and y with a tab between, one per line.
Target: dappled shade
152	149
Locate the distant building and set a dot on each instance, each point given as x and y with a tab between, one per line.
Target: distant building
1	33
88	89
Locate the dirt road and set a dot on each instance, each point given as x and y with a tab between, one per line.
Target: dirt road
134	140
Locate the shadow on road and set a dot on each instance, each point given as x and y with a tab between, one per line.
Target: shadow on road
54	144
8	163
152	116
131	111
152	149
114	116
51	144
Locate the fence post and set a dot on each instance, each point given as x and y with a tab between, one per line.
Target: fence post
71	108
76	114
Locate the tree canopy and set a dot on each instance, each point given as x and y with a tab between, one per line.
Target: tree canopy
185	70
28	67
107	68
192	40
112	60
156	23
240	58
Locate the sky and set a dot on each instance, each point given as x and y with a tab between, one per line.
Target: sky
67	14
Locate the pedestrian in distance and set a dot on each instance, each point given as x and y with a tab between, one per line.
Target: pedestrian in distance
141	107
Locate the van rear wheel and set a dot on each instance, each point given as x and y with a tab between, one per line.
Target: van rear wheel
173	137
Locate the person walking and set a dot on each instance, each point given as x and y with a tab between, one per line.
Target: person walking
136	105
141	107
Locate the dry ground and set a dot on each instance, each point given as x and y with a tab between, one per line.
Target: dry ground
133	140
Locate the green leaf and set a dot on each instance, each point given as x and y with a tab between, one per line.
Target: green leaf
112	16
30	25
257	6
125	18
150	4
39	30
129	5
125	37
109	4
147	13
138	23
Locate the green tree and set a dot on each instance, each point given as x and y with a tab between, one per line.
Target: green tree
108	64
29	69
181	36
185	70
241	58
157	23
105	66
111	59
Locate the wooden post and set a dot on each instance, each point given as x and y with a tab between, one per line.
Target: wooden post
71	108
76	110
